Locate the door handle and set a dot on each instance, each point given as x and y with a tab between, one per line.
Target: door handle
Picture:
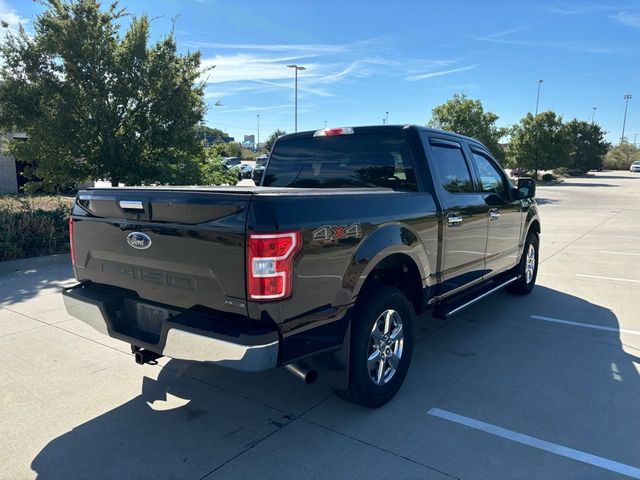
494	214
454	220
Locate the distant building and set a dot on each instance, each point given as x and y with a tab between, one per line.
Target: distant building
249	140
8	171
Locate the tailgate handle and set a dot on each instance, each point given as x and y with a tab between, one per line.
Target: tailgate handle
131	205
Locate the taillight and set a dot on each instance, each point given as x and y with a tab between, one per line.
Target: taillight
73	251
270	264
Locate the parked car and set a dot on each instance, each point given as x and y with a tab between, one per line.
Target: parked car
519	172
261	161
257	174
230	162
324	268
246	170
635	166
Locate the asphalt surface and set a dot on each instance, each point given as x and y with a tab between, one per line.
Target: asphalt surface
542	386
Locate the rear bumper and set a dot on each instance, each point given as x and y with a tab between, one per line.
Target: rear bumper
186	335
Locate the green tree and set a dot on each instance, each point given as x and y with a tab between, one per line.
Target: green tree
588	145
214	171
268	144
467	117
214	134
98	103
540	143
622	156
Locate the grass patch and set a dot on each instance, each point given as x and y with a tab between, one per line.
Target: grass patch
31	226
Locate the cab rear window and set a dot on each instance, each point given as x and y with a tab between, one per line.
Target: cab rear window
343	161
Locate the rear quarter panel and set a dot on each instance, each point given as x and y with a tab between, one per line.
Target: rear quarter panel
328	273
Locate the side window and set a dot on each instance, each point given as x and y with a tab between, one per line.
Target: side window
490	178
451	168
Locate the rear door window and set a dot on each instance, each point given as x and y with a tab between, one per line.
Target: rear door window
451	169
343	161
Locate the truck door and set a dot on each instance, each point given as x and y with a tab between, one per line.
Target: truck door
465	216
505	213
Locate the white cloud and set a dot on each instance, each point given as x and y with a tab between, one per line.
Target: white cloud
629	18
423	76
11	17
309	49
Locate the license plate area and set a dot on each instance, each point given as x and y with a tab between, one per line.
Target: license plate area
145	320
150	318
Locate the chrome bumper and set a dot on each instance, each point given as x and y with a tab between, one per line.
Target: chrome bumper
247	350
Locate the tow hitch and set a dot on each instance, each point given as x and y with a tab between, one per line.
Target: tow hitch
143	356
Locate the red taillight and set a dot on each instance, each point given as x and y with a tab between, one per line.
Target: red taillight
73	251
270	264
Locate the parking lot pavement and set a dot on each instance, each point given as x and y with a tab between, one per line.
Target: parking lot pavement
542	386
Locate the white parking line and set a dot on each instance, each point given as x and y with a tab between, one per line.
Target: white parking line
598	277
627	236
585	325
534	442
620	253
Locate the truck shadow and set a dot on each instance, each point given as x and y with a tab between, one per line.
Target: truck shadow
194	418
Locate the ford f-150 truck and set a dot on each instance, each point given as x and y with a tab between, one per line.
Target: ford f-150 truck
323	268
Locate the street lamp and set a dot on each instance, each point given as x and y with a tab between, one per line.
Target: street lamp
538	97
296	68
627	97
258	143
386	121
593	115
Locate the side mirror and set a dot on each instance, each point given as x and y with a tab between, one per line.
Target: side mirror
526	188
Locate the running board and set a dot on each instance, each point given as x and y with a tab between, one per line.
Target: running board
444	311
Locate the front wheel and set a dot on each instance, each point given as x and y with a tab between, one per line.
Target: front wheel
381	347
527	269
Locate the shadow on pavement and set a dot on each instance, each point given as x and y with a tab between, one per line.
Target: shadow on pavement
32	278
179	427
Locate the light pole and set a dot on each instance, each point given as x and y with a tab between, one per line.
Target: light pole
325	124
593	115
258	143
635	139
296	68
627	97
386	121
538	97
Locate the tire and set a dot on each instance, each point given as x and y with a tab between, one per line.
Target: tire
527	268
387	311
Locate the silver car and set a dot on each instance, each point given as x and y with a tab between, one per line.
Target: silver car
635	166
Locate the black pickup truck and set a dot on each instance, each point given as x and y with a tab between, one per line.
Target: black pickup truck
322	268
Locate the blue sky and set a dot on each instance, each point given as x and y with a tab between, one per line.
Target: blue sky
405	57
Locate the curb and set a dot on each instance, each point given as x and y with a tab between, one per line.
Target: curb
35	263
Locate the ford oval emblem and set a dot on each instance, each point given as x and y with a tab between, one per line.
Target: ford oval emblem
139	240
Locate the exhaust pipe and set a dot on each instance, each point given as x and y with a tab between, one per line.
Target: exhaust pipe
303	371
146	356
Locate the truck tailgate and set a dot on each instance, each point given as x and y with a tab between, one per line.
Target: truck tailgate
181	248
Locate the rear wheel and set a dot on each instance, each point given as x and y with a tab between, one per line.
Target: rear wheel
381	347
527	269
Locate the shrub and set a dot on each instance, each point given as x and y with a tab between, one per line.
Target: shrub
33	226
548	177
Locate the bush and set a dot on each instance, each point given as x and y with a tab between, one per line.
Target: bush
33	226
621	157
548	177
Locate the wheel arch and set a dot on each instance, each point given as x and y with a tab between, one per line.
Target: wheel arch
392	255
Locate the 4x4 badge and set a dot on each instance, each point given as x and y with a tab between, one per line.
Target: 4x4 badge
328	233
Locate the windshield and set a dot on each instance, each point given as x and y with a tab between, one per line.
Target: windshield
344	161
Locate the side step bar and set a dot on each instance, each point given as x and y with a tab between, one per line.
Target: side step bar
444	311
